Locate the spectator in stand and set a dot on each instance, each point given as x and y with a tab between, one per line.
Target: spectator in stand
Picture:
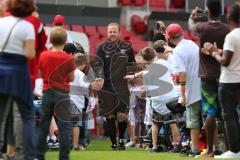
229	83
17	45
56	68
186	63
211	31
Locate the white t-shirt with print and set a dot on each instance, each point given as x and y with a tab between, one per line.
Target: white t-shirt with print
231	73
78	87
186	55
158	102
171	61
23	31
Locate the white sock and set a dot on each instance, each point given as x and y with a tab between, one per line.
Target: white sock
53	137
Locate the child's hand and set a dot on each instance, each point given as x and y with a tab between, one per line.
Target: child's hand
97	84
129	77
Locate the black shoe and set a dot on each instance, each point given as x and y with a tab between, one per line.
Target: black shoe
175	149
114	147
217	152
154	150
121	145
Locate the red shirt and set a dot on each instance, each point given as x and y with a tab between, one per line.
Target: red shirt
40	41
55	68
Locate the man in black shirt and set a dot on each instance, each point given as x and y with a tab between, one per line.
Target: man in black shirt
110	63
211	31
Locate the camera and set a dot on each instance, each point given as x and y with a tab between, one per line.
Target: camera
201	16
201	13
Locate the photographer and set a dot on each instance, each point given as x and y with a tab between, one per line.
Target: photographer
211	31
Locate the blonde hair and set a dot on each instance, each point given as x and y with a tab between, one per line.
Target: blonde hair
58	36
114	24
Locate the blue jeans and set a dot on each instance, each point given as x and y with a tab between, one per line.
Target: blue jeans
51	101
23	126
229	96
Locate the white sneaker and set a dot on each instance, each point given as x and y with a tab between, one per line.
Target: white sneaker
129	144
228	154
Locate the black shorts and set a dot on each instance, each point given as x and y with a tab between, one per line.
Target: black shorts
110	103
158	118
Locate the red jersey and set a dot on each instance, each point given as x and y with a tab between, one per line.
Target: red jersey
55	69
40	41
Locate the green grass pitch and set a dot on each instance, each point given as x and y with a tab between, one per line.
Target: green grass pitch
99	149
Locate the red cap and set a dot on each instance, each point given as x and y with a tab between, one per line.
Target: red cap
174	30
58	19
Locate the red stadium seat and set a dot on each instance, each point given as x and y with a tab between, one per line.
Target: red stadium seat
140	28
67	27
138	45
139	3
77	28
157	4
177	4
125	2
123	28
94	41
90	30
102	30
135	19
49	25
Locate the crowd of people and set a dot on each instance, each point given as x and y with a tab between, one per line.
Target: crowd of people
132	93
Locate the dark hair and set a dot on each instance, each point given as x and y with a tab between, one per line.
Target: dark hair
59	24
234	14
58	36
70	48
80	59
214	7
148	54
158	46
159	36
73	48
21	8
79	47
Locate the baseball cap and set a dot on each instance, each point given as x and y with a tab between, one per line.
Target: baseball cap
174	30
58	19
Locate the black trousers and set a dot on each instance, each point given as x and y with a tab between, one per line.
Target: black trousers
229	96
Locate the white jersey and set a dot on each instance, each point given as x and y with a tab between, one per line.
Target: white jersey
186	56
159	85
78	87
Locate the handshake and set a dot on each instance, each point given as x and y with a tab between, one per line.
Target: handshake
97	84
